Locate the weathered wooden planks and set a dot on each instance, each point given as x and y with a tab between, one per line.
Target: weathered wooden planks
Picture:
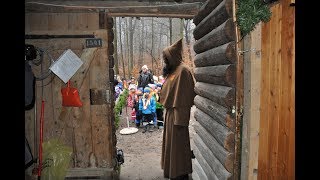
223	34
220	75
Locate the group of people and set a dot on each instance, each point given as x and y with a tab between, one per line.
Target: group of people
175	94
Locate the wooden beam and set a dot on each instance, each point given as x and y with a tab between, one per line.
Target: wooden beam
219	15
187	10
219	75
223	95
217	112
36	36
221	35
221	55
206	9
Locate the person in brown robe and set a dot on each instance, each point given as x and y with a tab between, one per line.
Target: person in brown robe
176	96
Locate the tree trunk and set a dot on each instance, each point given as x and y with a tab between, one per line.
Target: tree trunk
121	48
116	65
127	30
170	30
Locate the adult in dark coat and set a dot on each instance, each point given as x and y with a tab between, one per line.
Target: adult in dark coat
176	96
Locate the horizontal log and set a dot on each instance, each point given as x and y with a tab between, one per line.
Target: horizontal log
219	15
205	9
198	171
47	36
225	158
204	164
121	10
221	55
219	75
222	134
221	35
216	111
223	95
218	169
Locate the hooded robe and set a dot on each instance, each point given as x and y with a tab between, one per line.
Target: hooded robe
176	96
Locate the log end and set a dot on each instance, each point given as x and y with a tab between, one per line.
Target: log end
230	122
229	142
231	52
229	162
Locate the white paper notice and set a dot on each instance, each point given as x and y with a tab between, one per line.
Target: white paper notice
66	65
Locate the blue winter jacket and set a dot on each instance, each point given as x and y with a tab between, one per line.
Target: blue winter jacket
151	108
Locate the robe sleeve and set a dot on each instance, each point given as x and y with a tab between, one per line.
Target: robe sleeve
181	116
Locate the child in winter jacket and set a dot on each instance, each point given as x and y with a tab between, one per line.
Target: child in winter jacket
147	105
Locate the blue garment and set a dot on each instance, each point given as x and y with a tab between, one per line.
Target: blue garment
151	107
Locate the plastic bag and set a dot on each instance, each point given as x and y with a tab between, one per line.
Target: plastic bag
56	160
70	96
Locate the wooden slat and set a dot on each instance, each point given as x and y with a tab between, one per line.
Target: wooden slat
206	9
219	75
275	87
101	124
223	95
221	55
286	148
219	15
223	34
289	25
254	119
224	136
198	173
217	112
226	158
263	162
204	164
218	169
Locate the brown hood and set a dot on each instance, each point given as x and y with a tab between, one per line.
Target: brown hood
173	54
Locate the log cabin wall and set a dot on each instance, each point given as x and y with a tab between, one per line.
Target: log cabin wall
89	130
269	122
215	73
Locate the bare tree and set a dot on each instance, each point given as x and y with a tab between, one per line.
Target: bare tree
121	48
116	65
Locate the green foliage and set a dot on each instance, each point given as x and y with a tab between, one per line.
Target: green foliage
120	104
251	12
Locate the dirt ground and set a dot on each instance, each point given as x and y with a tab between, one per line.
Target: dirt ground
142	151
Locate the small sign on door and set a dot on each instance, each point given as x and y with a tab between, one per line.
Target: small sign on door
94	42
